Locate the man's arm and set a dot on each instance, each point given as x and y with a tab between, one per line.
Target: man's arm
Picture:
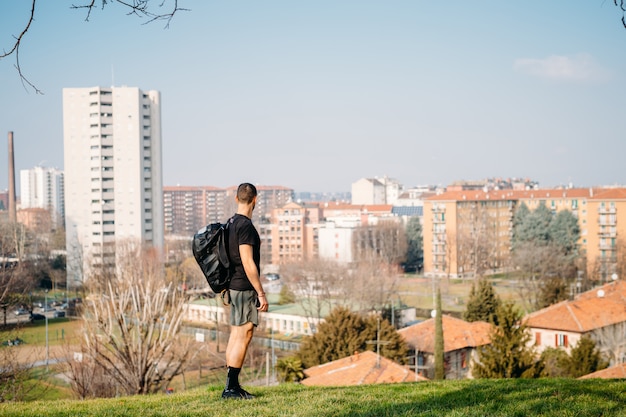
252	272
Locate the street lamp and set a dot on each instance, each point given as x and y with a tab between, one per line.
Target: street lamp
45	306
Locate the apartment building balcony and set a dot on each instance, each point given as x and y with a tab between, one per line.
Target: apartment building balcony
606	210
607	246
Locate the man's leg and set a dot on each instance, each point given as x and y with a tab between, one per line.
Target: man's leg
238	342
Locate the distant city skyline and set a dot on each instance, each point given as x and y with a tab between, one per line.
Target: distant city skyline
314	96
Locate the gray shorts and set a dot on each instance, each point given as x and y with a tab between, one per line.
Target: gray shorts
243	308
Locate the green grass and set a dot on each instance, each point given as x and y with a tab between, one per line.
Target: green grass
513	397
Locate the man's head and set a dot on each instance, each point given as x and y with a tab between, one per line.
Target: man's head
246	193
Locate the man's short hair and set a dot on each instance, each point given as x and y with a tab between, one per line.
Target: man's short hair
246	192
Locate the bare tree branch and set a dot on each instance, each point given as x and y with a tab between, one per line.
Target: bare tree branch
139	8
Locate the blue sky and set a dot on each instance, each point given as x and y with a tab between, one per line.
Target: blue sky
315	95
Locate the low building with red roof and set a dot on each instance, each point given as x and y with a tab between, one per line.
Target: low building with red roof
460	340
614	372
599	313
358	369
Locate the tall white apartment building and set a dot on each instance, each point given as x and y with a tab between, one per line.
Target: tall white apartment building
113	175
43	188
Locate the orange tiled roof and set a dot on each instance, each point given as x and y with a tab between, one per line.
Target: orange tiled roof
480	195
457	334
190	188
600	307
610	194
617	371
358	369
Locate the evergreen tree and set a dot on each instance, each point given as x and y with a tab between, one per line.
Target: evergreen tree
519	225
344	332
554	362
508	355
415	240
564	232
290	369
585	358
483	302
286	296
551	291
439	347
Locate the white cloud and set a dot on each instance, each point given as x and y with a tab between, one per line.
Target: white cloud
579	67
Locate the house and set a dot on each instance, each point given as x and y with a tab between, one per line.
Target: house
358	369
460	340
599	313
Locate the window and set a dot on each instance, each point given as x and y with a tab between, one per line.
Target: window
537	338
560	340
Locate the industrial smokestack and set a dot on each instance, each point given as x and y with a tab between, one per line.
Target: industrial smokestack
12	199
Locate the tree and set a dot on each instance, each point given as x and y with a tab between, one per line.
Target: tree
554	363
290	369
477	250
132	325
286	296
314	283
17	270
385	242
585	358
415	244
439	347
564	231
344	332
139	8
545	252
508	354
483	303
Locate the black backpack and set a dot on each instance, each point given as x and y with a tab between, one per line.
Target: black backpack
210	248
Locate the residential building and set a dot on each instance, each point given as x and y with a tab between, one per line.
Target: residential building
293	232
376	191
35	219
460	342
359	369
113	175
43	188
187	209
461	227
599	313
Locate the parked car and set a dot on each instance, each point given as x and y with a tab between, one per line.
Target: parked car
37	316
272	276
13	342
21	312
58	314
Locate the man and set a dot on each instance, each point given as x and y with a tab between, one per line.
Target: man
247	297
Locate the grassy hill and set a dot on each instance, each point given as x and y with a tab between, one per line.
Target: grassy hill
513	397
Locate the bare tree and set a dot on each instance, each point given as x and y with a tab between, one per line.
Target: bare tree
386	242
14	373
536	265
132	324
16	278
477	250
315	283
140	8
611	340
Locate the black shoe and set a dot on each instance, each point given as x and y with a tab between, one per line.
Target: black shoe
236	394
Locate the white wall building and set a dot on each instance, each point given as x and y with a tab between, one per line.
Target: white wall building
375	191
43	188
113	174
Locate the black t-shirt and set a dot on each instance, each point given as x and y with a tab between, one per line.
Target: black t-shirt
242	232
